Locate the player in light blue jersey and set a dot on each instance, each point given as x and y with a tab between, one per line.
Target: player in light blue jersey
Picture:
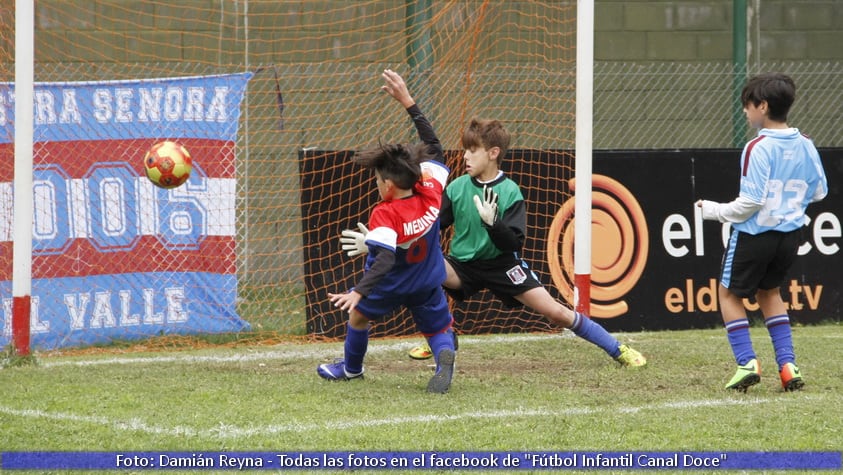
781	173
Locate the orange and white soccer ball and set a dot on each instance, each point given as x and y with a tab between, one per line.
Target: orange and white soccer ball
168	164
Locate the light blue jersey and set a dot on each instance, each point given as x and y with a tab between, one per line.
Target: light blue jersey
782	171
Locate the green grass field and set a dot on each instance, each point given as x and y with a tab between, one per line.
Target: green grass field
510	393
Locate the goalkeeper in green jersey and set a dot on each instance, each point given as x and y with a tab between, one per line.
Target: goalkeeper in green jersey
488	213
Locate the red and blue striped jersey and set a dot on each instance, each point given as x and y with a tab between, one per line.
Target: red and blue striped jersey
409	227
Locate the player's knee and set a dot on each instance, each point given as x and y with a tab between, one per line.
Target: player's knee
357	320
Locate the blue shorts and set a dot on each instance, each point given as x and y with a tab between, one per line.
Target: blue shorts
429	309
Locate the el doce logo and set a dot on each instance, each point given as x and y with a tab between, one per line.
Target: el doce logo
620	242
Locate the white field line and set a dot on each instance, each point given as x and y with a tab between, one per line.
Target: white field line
324	350
293	351
320	351
225	431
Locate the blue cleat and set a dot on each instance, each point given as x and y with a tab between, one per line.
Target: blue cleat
441	381
336	371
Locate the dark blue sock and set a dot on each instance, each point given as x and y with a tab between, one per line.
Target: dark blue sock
738	333
590	331
441	341
779	328
356	343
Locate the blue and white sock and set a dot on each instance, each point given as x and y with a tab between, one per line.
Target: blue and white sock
356	344
590	331
738	333
780	334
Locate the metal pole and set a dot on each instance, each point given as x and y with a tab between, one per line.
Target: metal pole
739	71
24	204
583	156
419	49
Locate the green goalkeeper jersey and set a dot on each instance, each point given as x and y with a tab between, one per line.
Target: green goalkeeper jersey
472	239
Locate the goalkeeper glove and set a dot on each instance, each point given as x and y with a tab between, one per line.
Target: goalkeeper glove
488	206
355	242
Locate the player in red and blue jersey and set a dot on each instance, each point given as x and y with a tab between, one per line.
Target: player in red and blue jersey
781	173
405	266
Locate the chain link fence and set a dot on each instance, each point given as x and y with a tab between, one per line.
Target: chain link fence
657	105
669	105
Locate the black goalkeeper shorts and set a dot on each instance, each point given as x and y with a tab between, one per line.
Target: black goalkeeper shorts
505	276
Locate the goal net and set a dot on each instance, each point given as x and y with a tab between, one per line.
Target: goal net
250	245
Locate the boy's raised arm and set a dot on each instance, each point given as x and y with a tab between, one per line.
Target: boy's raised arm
397	88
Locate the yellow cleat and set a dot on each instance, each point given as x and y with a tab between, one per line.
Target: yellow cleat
747	375
630	358
421	352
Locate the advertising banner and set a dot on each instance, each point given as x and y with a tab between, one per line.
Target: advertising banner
677	286
115	257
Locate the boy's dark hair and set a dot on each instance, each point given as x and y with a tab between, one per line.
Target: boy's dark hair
487	134
777	89
396	162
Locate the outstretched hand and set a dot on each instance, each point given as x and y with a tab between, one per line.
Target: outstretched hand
346	301
397	88
488	206
355	242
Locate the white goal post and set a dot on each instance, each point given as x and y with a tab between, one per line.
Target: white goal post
23	207
583	153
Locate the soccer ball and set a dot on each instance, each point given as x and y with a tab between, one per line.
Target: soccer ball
167	164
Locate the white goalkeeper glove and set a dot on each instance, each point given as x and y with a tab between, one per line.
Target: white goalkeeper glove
488	206
355	242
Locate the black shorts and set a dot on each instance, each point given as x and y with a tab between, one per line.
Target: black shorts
505	276
760	261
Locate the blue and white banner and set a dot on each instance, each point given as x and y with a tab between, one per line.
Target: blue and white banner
435	461
115	257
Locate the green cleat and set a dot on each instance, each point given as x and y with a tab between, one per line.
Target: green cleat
791	377
630	358
746	376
